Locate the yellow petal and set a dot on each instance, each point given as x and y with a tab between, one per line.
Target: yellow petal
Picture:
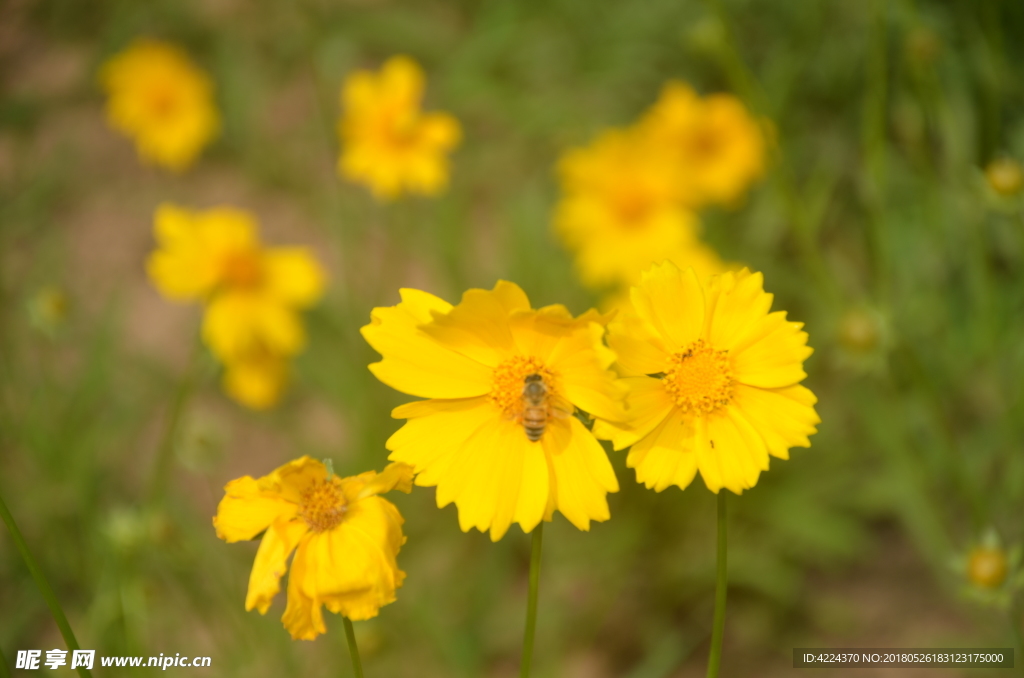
293	276
647	405
436	433
671	301
302	616
248	508
582	374
271	562
724	456
784	417
583	474
256	382
666	456
352	568
478	326
637	345
776	360
396	476
415	363
739	303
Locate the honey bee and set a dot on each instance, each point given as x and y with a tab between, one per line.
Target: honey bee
538	407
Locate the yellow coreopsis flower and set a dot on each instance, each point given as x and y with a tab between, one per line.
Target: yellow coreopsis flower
161	99
388	142
497	435
253	293
345	537
718	146
713	379
256	380
621	208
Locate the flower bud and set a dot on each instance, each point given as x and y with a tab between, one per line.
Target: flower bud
987	567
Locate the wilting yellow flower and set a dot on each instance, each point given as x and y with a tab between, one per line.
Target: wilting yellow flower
504	453
256	380
713	378
718	146
253	293
621	208
162	100
345	538
388	143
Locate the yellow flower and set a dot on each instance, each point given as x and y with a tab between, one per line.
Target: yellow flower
256	380
718	146
345	538
1005	176
162	100
389	144
713	379
621	208
252	292
502	452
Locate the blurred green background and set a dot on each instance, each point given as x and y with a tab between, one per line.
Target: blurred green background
875	225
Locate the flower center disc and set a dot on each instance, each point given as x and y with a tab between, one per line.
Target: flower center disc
509	380
700	378
243	269
323	506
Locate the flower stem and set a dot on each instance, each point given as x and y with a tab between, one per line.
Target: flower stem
165	453
1018	635
531	601
5	671
721	588
43	584
353	649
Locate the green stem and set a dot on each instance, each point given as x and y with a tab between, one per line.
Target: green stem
1015	621
165	453
531	601
43	584
353	649
721	588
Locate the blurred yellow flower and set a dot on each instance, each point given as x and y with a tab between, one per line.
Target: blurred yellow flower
161	99
1005	176
713	379
497	435
621	208
718	146
388	142
253	293
987	567
256	380
345	538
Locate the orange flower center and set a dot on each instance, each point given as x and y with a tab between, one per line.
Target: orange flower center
242	269
323	506
162	101
704	144
632	204
510	379
987	567
700	378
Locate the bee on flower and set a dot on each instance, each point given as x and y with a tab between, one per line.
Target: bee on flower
713	380
345	538
162	100
388	142
252	294
496	433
